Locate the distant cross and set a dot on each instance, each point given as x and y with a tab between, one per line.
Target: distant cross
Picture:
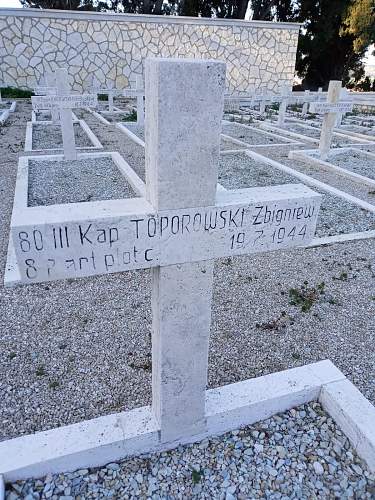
64	102
329	109
344	95
285	92
139	93
305	105
182	225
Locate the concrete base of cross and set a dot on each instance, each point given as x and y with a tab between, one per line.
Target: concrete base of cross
101	440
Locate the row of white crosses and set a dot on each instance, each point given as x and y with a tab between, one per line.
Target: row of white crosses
64	101
182	225
139	93
330	109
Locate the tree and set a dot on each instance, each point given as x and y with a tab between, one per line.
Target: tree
333	38
360	22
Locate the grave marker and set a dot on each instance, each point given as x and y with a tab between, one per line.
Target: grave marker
177	231
330	108
51	82
140	101
305	105
65	102
283	105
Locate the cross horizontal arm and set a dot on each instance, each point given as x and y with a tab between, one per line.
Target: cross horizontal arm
329	107
241	222
64	101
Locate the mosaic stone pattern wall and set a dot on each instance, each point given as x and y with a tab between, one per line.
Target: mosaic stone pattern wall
114	50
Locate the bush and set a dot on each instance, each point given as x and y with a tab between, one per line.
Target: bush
13	93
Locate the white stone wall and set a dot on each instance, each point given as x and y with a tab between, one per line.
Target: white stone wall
113	47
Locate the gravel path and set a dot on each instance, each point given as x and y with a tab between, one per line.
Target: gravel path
49	137
336	215
250	136
92	179
77	349
298	454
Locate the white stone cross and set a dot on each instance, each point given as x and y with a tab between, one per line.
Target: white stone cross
306	101
139	93
65	102
182	225
344	95
330	108
49	88
285	92
110	92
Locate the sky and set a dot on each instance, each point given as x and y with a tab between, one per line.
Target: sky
369	59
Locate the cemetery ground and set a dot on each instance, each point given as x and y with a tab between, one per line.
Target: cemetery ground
76	349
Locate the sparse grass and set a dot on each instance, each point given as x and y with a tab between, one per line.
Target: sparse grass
306	297
12	355
196	476
130	117
342	277
40	371
54	384
14	93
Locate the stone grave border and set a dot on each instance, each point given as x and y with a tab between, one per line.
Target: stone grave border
338	130
305	156
358	140
96	144
20	208
130	134
48	122
340	133
4	114
105	439
98	116
310	181
287	142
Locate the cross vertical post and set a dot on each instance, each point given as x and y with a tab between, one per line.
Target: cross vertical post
110	101
66	118
185	101
51	82
329	119
283	105
140	101
305	105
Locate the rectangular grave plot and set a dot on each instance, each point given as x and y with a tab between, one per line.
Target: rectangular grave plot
253	136
238	171
336	216
52	182
48	137
354	160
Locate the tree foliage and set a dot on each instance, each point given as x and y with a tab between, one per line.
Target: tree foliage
360	23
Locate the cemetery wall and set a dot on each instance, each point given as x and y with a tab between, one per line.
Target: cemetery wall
114	46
